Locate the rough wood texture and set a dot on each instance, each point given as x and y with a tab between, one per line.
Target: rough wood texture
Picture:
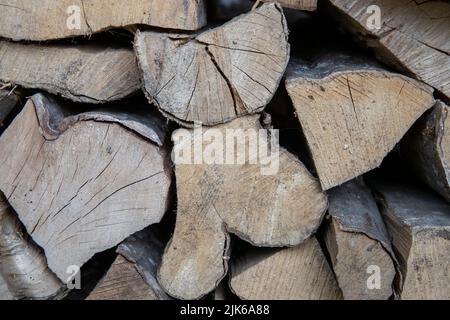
23	267
306	5
89	74
5	294
298	273
122	282
356	238
352	113
49	19
8	101
219	74
145	250
86	190
419	224
427	149
267	210
413	36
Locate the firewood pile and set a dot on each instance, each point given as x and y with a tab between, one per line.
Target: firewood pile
224	149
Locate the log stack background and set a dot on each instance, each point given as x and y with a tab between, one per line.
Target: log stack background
359	208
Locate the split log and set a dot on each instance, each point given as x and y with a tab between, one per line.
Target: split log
122	282
133	275
427	149
23	267
419	224
411	36
306	5
89	74
8	101
298	273
39	20
79	185
352	113
219	74
282	208
357	241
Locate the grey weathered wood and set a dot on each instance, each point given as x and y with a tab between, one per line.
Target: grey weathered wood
85	73
306	5
352	113
357	239
23	267
298	273
217	75
419	224
413	36
39	20
427	149
85	191
281	209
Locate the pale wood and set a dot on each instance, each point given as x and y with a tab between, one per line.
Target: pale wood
356	239
86	73
282	209
352	113
306	5
298	273
47	19
419	224
413	36
427	149
220	74
122	282
8	101
84	191
23	267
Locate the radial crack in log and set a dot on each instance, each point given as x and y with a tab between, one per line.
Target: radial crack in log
298	273
219	74
23	266
352	113
411	36
359	245
282	207
419	224
427	149
39	20
305	5
83	192
88	74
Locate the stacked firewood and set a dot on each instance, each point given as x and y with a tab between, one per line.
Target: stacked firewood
95	97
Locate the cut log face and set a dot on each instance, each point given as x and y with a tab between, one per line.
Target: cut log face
83	192
122	282
419	223
40	20
298	273
8	101
358	244
23	267
306	5
427	149
219	74
352	113
282	209
412	36
88	74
